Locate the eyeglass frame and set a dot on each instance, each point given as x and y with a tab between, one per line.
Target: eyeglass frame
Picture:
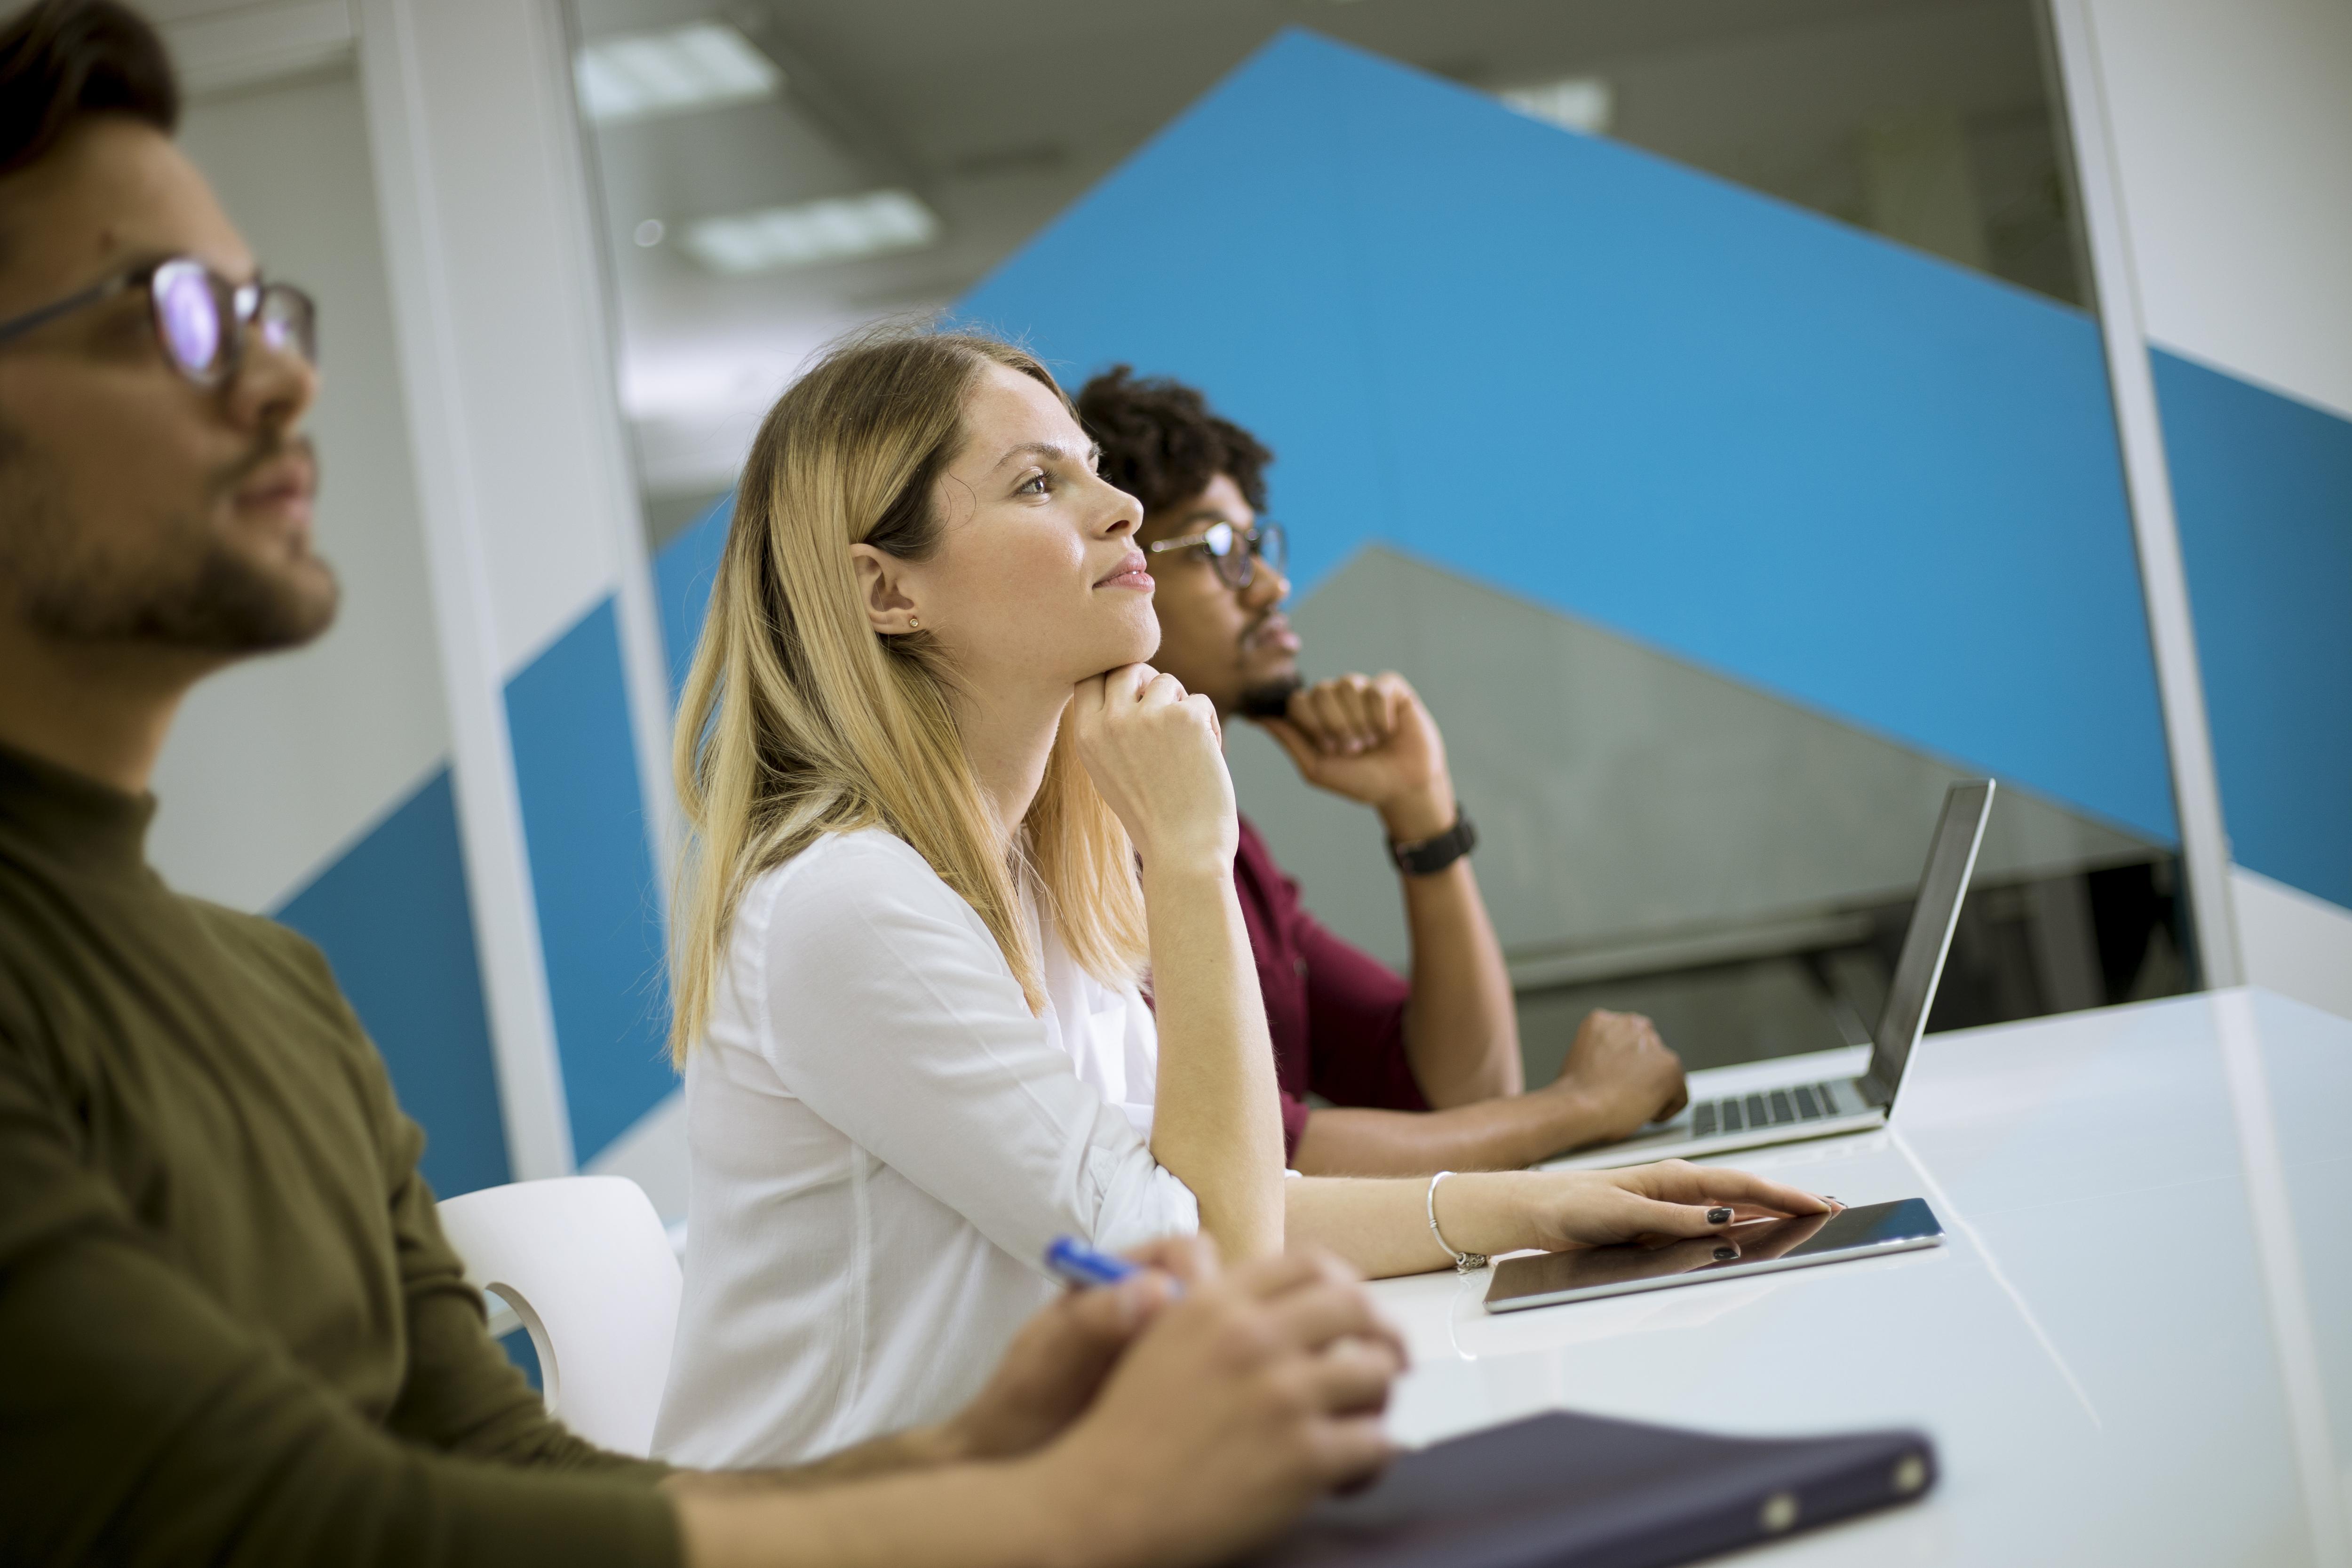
246	304
1252	548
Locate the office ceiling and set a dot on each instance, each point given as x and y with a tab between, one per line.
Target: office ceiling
999	114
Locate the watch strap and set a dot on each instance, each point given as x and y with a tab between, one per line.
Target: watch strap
1428	857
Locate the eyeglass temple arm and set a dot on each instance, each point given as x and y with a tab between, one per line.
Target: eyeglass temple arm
33	319
1249	539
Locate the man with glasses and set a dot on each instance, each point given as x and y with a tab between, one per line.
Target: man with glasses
1421	1076
230	1326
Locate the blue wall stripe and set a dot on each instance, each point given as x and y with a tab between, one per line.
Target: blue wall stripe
2263	488
517	1344
592	876
391	915
1834	468
684	570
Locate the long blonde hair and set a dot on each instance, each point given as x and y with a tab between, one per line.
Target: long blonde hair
798	719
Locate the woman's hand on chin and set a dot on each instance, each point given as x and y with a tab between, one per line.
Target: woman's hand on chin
1555	1210
1157	756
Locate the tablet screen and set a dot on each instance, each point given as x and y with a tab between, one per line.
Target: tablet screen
1753	1248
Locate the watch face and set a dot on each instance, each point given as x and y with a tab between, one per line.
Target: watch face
1434	855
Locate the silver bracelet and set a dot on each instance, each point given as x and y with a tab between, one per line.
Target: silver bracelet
1463	1262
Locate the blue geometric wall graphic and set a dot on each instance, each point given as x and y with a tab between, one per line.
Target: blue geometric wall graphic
684	570
1841	470
391	916
2263	488
592	876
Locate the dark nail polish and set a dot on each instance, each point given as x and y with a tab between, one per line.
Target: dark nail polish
1726	1252
1718	1217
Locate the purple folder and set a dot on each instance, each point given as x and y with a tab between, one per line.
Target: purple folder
1581	1492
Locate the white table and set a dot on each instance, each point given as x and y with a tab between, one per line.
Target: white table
2134	1348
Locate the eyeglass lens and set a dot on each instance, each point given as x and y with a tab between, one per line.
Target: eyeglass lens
1237	567
188	311
197	315
288	322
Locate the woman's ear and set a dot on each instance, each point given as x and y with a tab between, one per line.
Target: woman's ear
882	588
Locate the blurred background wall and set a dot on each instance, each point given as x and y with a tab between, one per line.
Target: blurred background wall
566	253
2232	130
317	785
1728	531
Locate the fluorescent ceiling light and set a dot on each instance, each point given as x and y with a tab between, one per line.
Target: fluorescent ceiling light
700	66
1579	103
840	229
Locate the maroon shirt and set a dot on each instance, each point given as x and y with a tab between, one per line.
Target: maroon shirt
1335	1013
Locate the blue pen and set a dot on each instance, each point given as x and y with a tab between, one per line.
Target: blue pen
1073	1262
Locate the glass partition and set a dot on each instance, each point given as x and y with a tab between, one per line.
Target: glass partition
772	175
1661	840
1657	835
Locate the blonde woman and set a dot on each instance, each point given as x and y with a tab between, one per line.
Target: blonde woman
946	822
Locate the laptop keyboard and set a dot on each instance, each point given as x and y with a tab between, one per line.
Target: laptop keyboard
1773	1108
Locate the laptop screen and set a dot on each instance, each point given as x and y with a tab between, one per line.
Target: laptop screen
1951	857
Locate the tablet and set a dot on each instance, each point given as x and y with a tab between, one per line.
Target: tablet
1758	1247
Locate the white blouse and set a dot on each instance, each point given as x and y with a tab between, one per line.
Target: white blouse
884	1140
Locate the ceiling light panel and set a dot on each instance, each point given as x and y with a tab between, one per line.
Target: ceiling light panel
839	229
700	66
1579	103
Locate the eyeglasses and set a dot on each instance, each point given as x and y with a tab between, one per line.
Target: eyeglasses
201	319
1235	555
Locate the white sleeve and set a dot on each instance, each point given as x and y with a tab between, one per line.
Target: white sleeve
885	1007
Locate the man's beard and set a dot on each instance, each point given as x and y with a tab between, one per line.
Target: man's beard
1270	699
194	590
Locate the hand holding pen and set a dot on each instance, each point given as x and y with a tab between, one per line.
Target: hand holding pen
1059	1363
1056	1364
1263	1386
1081	1268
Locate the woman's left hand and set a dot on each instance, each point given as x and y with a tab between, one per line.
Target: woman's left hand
1156	755
1555	1210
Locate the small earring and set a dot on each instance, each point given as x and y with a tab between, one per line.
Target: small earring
914	623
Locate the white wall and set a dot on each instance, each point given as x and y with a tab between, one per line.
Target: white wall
521	460
2231	124
415	164
2295	943
2232	127
276	765
484	109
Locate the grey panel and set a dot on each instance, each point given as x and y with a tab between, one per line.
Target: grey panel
1624	796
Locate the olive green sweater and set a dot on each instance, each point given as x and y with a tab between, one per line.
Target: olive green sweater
230	1330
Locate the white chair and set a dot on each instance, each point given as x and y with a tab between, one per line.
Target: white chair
587	1267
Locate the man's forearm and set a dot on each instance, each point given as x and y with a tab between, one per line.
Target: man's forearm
962	1516
918	1448
1462	1025
1491	1135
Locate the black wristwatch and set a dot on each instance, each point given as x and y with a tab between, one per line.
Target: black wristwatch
1430	855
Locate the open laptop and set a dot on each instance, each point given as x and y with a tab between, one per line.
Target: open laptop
1801	1100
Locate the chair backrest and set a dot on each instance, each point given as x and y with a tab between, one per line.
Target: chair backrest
585	1264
